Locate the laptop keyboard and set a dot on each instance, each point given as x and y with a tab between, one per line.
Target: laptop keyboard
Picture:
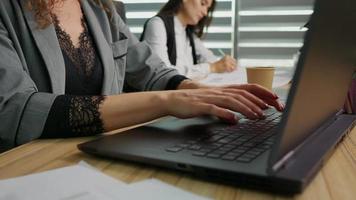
242	142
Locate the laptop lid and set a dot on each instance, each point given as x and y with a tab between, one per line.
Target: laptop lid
323	74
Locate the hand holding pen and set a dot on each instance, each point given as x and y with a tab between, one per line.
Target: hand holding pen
225	64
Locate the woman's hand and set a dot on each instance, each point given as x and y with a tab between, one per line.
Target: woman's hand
251	96
249	100
226	64
260	92
192	100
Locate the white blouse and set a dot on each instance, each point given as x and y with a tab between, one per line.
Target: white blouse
156	37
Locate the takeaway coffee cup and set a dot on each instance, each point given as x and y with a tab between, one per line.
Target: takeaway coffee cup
261	75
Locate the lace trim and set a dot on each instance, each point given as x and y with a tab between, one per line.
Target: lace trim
83	56
84	117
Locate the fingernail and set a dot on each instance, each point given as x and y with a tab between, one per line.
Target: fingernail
261	115
234	120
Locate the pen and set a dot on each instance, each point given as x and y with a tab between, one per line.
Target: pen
221	52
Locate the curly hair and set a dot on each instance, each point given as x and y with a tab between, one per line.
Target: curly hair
42	10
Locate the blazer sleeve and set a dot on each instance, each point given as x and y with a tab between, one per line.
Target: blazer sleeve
145	70
23	110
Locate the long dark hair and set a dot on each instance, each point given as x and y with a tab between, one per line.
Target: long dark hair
173	6
42	10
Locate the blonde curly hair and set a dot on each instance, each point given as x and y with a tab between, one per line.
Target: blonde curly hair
42	10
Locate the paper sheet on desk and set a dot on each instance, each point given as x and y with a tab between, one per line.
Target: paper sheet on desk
282	77
68	183
83	182
153	189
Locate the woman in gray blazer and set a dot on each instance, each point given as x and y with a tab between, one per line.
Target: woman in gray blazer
64	64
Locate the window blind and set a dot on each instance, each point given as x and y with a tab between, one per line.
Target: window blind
270	31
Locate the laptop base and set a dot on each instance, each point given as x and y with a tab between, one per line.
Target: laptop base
291	178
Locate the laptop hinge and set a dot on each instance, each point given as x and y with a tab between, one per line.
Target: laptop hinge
287	157
342	111
283	161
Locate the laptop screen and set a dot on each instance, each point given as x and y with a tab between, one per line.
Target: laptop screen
323	73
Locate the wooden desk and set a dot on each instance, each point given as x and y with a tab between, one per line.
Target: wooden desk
336	180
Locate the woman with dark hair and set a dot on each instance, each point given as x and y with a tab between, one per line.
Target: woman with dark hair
64	64
175	35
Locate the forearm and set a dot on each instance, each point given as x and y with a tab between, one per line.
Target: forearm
89	115
129	109
190	84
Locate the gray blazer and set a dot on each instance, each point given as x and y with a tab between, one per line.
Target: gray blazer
32	71
121	10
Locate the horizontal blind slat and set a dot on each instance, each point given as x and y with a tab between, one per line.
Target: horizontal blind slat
272	29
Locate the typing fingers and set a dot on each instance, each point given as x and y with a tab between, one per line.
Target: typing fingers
223	114
236	103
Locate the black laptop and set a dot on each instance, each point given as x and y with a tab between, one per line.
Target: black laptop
281	153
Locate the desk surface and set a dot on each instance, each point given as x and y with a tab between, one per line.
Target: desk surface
336	180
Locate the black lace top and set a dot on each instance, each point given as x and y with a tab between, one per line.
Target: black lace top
77	112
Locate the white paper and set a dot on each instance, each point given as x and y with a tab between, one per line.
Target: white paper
153	189
68	183
84	182
236	77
